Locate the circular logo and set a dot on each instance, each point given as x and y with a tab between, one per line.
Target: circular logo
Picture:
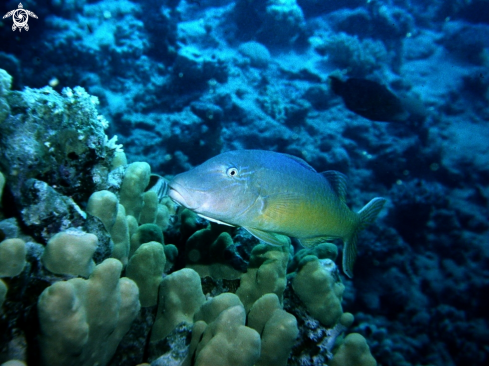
20	17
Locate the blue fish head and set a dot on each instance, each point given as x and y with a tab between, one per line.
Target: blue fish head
220	189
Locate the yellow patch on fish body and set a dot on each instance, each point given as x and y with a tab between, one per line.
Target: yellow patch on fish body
274	196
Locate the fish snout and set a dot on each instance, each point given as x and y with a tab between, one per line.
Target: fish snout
180	195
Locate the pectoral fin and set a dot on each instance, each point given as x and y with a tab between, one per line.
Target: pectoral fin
310	242
214	220
269	238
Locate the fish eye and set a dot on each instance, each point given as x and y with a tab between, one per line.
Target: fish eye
232	172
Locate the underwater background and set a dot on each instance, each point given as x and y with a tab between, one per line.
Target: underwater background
181	81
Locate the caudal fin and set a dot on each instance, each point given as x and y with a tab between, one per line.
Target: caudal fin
367	215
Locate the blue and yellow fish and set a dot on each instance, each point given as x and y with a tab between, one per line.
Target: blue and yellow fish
275	196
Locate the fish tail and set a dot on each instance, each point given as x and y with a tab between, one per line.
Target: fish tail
366	215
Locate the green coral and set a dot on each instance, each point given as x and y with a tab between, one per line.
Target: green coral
224	341
164	212
211	309
12	257
177	304
146	268
14	363
354	351
205	252
150	207
70	253
2	184
318	286
120	235
144	234
266	274
154	211
277	328
103	204
83	321
321	251
189	223
136	179
119	160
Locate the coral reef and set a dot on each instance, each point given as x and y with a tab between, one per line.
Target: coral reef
275	23
180	81
359	57
83	321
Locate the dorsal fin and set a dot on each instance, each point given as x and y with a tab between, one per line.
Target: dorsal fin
300	161
338	182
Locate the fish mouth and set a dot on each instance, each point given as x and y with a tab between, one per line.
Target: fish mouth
177	193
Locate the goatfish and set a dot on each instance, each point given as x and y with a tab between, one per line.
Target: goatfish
275	197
